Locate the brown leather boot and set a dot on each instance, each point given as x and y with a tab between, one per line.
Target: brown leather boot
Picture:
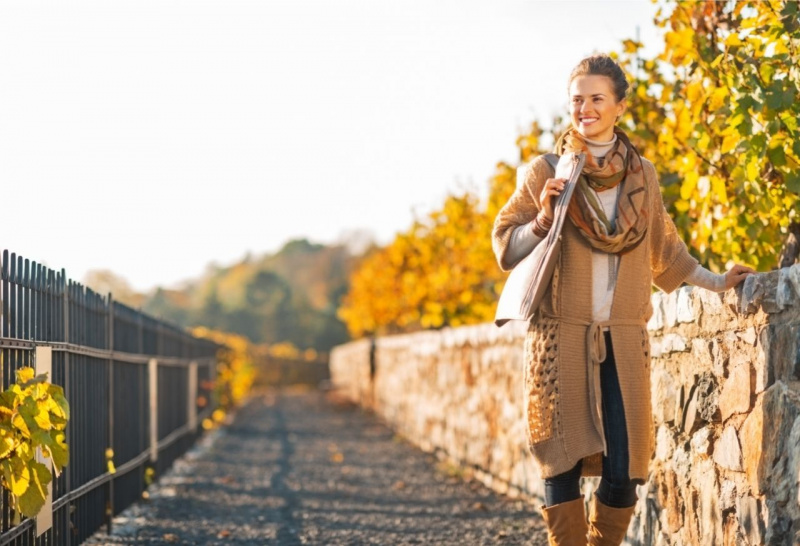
566	523
608	526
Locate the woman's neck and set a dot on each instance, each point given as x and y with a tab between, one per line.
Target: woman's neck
599	149
601	142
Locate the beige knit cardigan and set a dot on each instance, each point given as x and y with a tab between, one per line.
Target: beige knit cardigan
561	370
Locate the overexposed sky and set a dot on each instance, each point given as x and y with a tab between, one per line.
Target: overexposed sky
154	137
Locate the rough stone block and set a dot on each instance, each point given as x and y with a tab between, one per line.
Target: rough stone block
735	395
752	294
764	373
786	471
749	513
727	495
701	441
706	500
656	321
708	398
701	350
711	304
779	524
669	343
670	498
664	395
671	309
720	354
782	348
689	416
727	452
765	434
785	292
748	336
686	310
665	443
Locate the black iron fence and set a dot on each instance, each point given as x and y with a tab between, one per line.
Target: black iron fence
137	389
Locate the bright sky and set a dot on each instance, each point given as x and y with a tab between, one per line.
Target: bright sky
154	137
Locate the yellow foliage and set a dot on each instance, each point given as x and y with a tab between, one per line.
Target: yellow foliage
442	270
728	98
235	370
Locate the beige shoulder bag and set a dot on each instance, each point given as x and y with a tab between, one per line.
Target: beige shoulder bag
528	281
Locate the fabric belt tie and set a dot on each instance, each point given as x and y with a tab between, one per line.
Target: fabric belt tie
597	354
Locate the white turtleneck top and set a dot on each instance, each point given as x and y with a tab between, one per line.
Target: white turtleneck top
604	265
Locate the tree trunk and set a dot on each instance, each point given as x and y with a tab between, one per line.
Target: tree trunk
791	246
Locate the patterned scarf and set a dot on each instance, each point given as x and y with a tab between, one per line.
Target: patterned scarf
623	166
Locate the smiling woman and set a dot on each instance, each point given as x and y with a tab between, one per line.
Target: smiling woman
587	356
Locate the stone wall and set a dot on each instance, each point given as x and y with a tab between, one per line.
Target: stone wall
725	379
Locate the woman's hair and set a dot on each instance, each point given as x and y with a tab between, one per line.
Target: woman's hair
602	65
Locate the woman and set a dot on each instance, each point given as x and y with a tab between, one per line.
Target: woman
587	349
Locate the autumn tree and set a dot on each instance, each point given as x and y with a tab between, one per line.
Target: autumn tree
717	112
441	271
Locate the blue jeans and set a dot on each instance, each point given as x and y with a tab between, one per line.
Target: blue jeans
616	489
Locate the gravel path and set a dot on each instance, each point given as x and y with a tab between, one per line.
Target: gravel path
299	468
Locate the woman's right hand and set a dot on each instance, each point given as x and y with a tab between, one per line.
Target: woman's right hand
552	188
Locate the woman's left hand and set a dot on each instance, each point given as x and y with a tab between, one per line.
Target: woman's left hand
737	274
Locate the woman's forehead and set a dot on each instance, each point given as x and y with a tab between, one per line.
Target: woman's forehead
588	85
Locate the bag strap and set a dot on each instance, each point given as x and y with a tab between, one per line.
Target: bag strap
552	160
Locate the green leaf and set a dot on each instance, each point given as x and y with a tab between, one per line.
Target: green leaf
767	70
7	443
28	410
42	415
59	450
777	156
21	425
757	143
58	396
17	475
34	497
792	179
746	103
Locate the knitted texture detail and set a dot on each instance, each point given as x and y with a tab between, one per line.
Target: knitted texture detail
541	379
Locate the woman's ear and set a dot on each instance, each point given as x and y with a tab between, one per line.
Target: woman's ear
621	107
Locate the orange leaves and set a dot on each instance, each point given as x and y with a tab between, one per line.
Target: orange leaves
442	271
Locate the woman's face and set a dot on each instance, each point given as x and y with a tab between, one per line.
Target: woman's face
594	107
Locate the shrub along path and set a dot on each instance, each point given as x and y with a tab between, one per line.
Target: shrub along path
301	468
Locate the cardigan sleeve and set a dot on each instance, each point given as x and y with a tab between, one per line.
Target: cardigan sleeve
521	208
670	260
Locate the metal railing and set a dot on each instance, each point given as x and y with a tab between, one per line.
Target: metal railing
135	385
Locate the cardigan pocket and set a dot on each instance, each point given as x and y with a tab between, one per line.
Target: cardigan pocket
541	379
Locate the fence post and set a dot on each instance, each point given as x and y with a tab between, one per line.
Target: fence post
64	287
152	367
44	519
110	344
192	398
